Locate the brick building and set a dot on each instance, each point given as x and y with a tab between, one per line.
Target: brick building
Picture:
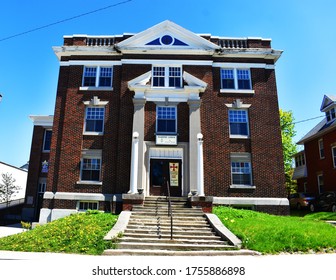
315	166
137	111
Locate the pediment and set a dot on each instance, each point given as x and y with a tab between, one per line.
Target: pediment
328	101
166	37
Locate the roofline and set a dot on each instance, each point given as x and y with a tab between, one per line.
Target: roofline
21	169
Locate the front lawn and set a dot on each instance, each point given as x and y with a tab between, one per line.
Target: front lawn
275	234
79	234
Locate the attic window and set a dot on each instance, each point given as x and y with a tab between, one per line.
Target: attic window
331	115
166	40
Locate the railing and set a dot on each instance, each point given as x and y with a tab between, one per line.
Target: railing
100	41
170	211
233	43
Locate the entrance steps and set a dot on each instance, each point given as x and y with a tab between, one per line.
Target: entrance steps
148	231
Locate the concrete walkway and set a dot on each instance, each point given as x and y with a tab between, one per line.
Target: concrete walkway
10	230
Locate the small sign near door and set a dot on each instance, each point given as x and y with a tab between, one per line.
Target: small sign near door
166	140
174	174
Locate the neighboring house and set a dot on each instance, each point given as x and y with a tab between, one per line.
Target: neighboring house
315	169
10	209
136	111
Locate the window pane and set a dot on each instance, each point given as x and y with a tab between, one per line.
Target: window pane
241	173
243	77
105	78
47	140
227	79
174	76
90	76
90	169
94	119
166	119
238	122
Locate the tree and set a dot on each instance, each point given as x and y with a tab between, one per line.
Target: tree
288	146
7	187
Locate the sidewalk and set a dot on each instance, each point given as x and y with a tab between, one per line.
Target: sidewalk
10	230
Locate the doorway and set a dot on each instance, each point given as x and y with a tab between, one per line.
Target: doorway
163	171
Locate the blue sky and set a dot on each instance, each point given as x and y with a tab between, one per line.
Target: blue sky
304	30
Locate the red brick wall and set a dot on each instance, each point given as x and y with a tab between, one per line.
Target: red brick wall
316	166
35	163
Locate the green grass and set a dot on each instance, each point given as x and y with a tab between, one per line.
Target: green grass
79	233
275	234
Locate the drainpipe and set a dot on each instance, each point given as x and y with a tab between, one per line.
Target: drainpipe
200	166
134	163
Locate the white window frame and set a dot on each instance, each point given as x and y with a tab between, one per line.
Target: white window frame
333	151
44	140
42	185
166	75
331	114
87	202
241	158
321	149
157	119
319	176
85	121
247	123
236	88
90	154
97	78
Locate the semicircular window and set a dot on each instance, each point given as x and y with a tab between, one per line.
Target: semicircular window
166	40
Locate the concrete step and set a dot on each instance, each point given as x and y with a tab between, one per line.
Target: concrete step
167	227
144	252
167	223
164	199
167	246
198	232
174	241
165	213
165	218
167	236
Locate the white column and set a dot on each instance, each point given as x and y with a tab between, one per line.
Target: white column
200	167
134	163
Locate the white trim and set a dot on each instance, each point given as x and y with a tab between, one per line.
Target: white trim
237	91
95	183
81	196
243	187
333	152
165	62
250	201
168	62
96	88
242	65
91	63
45	121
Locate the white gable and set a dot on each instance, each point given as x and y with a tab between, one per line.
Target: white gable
328	102
167	37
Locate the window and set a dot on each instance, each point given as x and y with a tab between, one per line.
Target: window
334	155
238	123
47	140
42	185
166	120
300	160
166	76
88	205
331	115
321	148
236	79
241	170
97	77
320	182
94	119
90	170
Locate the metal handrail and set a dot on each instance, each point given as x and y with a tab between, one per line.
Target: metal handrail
170	212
